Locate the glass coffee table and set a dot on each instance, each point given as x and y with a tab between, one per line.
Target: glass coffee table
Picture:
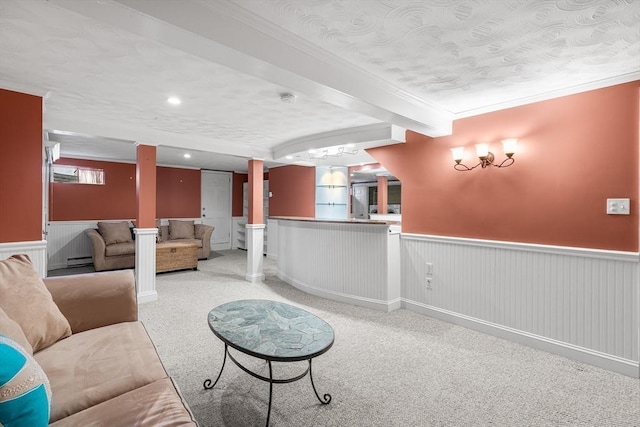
271	331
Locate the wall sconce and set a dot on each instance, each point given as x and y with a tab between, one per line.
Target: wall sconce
486	157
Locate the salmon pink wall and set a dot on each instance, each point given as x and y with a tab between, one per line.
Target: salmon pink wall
236	196
178	193
574	153
255	192
146	186
237	191
293	189
21	169
117	198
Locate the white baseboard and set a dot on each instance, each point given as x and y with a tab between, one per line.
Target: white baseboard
623	366
254	278
147	297
373	304
220	246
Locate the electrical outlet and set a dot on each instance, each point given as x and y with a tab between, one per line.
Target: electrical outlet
429	282
618	206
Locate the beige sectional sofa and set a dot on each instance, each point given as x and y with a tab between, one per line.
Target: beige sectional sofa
114	248
84	332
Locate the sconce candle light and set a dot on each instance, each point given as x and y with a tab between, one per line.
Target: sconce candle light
486	157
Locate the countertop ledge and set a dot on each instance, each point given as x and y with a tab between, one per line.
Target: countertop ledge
336	221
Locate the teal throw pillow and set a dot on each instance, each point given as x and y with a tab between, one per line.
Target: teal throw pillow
25	394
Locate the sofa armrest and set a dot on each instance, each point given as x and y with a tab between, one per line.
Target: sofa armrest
204	232
98	247
92	300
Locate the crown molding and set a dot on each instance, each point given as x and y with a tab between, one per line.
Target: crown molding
625	78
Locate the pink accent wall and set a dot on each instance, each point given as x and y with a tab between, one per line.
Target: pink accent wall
236	193
177	196
21	167
574	152
146	186
178	193
294	191
116	199
256	179
383	194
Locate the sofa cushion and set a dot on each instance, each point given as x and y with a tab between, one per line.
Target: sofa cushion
25	395
181	229
26	300
115	232
117	249
94	366
11	329
155	405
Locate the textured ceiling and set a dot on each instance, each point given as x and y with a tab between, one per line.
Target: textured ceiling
105	68
467	54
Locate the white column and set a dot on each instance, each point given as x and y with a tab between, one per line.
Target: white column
255	246
146	264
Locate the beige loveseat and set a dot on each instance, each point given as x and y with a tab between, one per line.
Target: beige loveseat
113	246
84	332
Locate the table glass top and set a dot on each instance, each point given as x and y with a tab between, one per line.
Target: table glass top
271	329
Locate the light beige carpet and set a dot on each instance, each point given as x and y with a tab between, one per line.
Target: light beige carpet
385	369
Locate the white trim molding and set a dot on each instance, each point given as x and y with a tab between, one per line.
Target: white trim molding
371	303
146	264
255	248
530	247
36	250
596	358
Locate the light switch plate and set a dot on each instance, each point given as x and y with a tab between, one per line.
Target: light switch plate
617	206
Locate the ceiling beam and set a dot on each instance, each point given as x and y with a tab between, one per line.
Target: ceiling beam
367	136
53	121
226	34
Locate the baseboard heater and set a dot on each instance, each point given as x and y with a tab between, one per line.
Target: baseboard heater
79	261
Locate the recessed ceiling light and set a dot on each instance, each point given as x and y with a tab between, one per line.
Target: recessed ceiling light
350	145
312	151
187	156
289	157
174	100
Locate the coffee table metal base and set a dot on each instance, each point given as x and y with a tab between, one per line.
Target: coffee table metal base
325	399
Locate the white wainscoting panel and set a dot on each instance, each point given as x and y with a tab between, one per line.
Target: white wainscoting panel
66	240
36	250
585	303
67	243
146	264
271	234
255	249
344	262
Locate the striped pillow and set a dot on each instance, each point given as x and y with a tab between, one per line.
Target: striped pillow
25	394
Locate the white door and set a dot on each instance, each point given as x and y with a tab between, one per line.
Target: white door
216	207
360	201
